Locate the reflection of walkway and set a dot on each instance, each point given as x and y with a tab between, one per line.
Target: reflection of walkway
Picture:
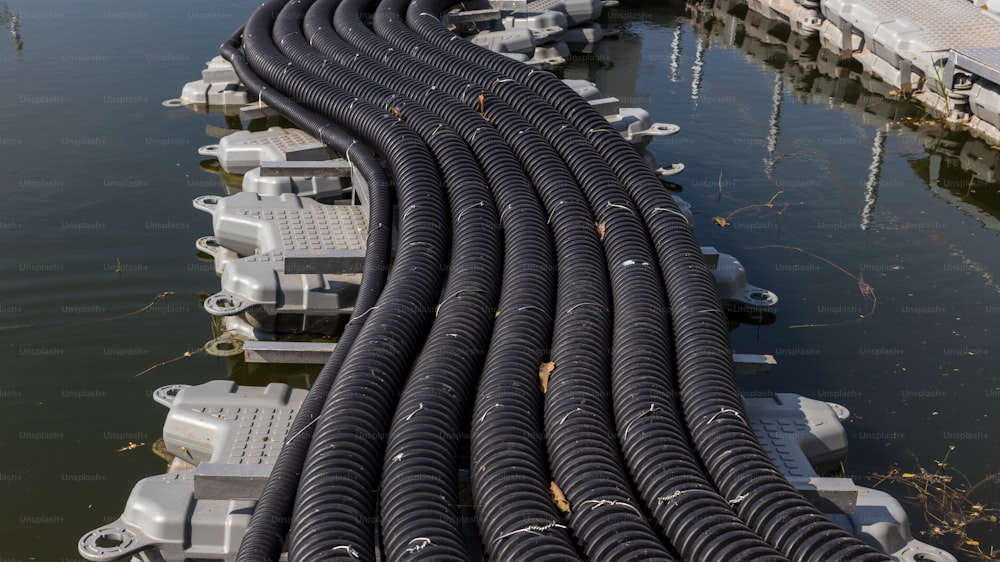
944	53
10	18
956	157
698	70
874	175
774	125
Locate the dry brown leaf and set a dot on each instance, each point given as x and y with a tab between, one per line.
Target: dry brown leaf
601	229
557	496
721	221
543	375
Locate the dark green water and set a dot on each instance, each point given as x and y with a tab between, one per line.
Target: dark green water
96	221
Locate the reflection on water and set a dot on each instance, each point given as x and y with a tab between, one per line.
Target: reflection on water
11	20
956	166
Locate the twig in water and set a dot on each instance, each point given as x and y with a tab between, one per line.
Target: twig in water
178	358
155	300
866	290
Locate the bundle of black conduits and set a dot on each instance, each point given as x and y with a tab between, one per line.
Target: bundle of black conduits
506	441
645	352
712	404
613	512
594	361
419	481
339	479
273	510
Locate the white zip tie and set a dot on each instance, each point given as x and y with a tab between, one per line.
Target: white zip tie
724	411
350	550
416	547
534	529
570	414
480	204
292	438
652	409
483	417
672	496
673	212
617	206
454	295
553	212
415	411
347	153
365	313
602	503
576	306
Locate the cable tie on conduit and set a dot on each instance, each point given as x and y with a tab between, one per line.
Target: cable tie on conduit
414	412
421	542
488	410
533	529
725	411
672	496
617	206
652	409
603	503
350	550
673	212
570	413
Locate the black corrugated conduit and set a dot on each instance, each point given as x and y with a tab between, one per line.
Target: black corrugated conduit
712	404
505	444
509	469
338	485
269	523
419	482
500	470
583	450
606	197
424	463
613	510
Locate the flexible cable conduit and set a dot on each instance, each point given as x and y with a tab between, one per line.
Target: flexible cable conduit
587	228
579	424
420	488
419	479
603	193
713	407
524	318
340	476
269	523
